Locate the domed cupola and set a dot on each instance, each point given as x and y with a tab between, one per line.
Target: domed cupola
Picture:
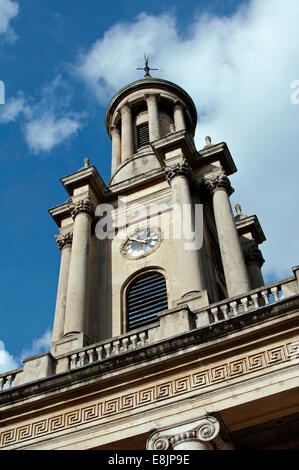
139	114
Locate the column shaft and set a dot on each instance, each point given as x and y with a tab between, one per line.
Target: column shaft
235	270
77	293
189	260
58	327
255	275
126	133
153	118
116	148
178	117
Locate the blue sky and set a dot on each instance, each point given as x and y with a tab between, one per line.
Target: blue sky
61	63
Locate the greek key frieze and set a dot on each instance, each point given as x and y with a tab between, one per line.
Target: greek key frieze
193	381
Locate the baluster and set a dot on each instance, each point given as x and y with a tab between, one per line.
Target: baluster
10	379
234	307
214	312
244	302
91	355
224	309
274	291
100	352
82	355
116	345
107	348
125	344
74	358
255	297
134	341
265	295
143	337
2	383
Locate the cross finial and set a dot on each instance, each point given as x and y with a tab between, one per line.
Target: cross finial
146	67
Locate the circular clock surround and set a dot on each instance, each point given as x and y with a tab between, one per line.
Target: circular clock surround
142	242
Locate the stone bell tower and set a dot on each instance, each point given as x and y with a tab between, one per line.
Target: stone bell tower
163	325
109	285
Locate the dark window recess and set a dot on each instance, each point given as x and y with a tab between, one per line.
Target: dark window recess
142	135
145	298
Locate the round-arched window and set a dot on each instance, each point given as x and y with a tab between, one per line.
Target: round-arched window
146	296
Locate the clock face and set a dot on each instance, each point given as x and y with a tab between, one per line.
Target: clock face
141	243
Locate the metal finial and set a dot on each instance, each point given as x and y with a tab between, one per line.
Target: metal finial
146	67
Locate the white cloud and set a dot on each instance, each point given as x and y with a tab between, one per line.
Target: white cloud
39	345
47	120
46	131
239	72
12	109
7	361
51	122
8	10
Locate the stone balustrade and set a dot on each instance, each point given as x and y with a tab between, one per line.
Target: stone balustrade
256	299
107	349
233	306
8	379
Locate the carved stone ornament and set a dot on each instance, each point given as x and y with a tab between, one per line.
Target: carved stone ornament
206	430
179	169
64	239
217	182
83	205
253	253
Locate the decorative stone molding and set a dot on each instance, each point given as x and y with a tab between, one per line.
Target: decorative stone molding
83	205
217	182
204	435
253	253
112	406
64	239
180	169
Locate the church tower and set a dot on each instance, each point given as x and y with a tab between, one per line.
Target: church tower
160	235
165	336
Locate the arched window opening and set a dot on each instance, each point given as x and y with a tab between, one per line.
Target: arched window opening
145	298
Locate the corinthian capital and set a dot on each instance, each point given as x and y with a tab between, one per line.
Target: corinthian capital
179	169
217	182
64	239
83	205
253	253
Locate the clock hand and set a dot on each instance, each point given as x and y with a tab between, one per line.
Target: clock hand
138	241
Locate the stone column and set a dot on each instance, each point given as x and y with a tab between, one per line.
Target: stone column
254	262
235	271
153	117
65	245
77	293
178	177
203	434
116	148
126	133
178	116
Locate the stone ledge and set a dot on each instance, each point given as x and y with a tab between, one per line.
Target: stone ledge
204	337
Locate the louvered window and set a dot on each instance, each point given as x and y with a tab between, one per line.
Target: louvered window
146	296
142	135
